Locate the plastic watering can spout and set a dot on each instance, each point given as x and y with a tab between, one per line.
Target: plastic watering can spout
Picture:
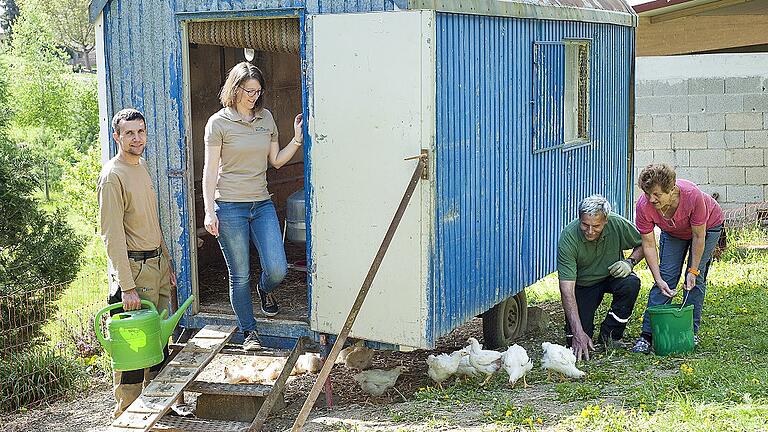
167	325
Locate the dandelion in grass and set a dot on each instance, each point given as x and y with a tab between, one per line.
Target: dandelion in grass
755	381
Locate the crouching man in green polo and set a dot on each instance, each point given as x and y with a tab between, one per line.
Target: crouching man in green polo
590	264
138	262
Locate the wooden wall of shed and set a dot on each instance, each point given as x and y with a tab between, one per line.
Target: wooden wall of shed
208	68
700	33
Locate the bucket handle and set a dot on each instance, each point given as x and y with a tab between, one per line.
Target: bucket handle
105	309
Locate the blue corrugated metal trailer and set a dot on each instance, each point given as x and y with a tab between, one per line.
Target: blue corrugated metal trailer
523	108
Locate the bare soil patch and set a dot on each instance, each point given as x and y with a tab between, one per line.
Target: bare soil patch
353	409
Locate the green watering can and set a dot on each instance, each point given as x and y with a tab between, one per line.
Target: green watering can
137	337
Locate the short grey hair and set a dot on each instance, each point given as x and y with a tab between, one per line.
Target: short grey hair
594	205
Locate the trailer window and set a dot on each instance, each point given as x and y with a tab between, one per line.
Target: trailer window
560	94
576	127
547	103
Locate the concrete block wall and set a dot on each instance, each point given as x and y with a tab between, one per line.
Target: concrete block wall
707	116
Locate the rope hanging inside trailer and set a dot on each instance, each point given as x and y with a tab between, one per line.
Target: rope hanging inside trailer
271	35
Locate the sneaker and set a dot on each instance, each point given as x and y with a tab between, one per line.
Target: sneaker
268	303
251	342
696	340
642	346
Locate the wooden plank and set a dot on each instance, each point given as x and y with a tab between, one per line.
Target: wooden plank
278	386
157	397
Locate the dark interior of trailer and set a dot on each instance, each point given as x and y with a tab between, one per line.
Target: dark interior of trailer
214	48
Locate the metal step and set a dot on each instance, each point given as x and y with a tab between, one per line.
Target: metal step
226	389
187	424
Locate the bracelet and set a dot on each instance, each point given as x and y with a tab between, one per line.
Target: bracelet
694	271
298	143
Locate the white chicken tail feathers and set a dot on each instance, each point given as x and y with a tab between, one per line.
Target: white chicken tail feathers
560	359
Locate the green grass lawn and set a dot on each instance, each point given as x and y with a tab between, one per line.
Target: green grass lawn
721	386
87	293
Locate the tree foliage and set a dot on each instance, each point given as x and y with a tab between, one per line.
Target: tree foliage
71	25
10	12
79	185
38	250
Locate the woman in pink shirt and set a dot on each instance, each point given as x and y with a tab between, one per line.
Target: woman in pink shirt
690	223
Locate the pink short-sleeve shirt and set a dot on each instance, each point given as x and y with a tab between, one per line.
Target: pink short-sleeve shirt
695	208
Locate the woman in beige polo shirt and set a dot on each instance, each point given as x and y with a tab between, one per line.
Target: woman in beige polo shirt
240	144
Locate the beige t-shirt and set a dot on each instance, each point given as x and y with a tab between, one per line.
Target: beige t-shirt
128	216
244	154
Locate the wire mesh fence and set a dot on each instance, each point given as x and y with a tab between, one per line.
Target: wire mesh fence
47	342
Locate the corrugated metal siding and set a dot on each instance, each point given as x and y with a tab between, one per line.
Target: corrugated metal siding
312	6
500	208
146	75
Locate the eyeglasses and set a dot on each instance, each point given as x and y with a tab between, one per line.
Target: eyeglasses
252	93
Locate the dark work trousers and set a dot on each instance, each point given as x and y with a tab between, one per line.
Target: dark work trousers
129	384
624	293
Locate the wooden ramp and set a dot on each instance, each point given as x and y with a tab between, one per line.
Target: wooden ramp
169	384
147	412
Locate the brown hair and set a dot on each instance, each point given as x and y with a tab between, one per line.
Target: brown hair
239	74
126	114
657	175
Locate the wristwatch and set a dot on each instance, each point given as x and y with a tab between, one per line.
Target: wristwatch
631	261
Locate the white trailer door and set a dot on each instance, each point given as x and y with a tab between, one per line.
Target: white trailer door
371	106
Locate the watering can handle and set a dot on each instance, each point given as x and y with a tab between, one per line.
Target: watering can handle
105	309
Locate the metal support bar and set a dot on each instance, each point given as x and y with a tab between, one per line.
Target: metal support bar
342	337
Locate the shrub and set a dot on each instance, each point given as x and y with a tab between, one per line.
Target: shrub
37	375
39	252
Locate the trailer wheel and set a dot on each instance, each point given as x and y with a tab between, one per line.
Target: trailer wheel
505	322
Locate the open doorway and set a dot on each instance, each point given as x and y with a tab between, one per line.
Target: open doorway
214	48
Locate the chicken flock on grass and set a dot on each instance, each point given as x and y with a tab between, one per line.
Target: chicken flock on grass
468	362
474	361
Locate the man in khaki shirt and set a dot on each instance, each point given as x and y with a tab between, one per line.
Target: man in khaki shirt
138	261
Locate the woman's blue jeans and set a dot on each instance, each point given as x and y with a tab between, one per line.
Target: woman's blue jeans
672	254
240	224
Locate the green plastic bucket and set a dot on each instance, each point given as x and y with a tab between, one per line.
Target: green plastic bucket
672	328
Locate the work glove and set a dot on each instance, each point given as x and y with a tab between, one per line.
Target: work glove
620	269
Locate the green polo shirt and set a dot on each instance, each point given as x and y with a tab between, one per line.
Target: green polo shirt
587	262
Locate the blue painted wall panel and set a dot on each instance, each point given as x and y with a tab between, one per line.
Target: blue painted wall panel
500	207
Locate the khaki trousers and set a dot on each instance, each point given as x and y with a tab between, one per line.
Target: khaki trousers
153	283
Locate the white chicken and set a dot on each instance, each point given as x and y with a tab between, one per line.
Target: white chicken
308	363
239	373
516	362
560	359
465	368
272	371
441	367
378	381
485	361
